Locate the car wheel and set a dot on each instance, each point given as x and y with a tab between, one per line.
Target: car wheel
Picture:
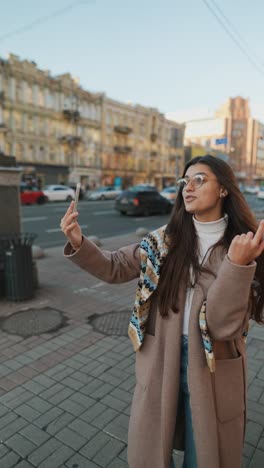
102	197
42	199
123	213
69	198
146	212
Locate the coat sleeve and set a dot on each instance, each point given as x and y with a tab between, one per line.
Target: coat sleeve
228	300
112	267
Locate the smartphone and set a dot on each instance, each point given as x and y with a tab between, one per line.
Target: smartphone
77	194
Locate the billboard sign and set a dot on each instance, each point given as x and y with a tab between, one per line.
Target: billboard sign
221	141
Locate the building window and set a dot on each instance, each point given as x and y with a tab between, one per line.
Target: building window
31	153
29	93
42	154
30	123
12	88
19	151
19	91
35	94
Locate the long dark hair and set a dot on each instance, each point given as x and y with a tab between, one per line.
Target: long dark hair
183	242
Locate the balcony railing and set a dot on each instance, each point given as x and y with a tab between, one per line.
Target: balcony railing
71	115
3	128
122	129
70	140
153	154
153	137
122	149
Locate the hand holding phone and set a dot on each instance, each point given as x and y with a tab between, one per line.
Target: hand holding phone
77	194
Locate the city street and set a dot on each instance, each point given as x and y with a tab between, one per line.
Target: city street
96	218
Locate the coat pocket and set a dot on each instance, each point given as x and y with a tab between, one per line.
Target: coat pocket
144	359
229	389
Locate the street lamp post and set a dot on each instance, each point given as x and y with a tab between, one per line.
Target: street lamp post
178	157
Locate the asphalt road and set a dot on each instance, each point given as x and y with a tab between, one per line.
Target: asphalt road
96	218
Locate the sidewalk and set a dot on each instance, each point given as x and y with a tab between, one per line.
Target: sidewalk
65	395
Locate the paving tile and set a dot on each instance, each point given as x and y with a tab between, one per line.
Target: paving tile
257	460
44	451
9	460
34	434
60	422
20	445
114	403
3	450
93	412
71	438
39	404
79	461
50	416
94	445
28	413
59	456
83	428
14	425
104	418
109	452
253	433
23	464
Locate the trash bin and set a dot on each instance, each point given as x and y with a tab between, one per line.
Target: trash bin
19	279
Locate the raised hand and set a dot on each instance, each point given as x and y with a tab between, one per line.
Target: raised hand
245	248
71	228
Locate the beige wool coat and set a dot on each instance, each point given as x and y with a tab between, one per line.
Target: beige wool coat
218	400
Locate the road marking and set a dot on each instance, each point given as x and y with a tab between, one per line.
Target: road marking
39	218
100	213
84	226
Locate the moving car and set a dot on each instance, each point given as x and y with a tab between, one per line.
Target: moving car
143	187
260	194
169	193
59	193
104	193
82	191
251	189
30	195
142	202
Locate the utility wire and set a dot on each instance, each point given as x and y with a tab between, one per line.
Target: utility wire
234	39
235	30
43	19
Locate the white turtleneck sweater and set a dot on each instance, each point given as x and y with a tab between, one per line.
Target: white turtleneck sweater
208	234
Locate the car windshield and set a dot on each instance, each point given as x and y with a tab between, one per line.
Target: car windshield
47	187
169	189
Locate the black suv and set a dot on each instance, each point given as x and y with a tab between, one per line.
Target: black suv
142	202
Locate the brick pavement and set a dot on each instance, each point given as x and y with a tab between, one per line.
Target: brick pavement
65	396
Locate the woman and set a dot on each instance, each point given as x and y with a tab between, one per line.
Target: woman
201	278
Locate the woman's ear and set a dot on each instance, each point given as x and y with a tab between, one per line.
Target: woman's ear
223	193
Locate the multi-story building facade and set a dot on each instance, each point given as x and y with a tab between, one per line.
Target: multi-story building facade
255	149
61	133
50	124
231	134
139	145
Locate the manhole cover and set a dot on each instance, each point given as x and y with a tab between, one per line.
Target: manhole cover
111	323
33	322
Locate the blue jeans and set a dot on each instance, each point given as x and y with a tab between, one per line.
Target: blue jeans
190	452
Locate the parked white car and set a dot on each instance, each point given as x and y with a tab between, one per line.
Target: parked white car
104	193
251	189
260	194
58	193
